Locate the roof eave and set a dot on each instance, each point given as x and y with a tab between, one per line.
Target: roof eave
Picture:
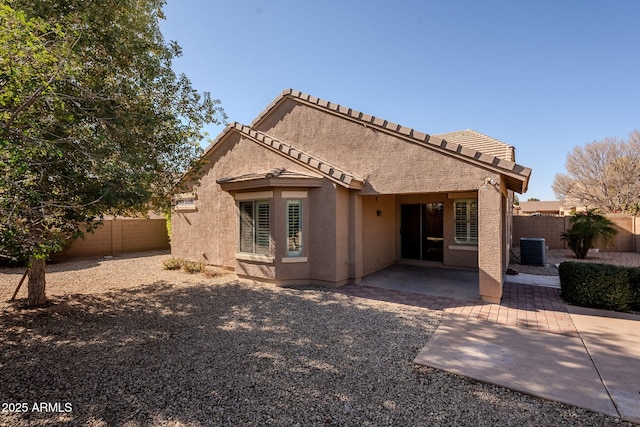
269	182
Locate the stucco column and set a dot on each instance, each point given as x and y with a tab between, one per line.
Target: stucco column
355	238
490	242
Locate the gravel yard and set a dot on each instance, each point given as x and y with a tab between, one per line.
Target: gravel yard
556	256
128	344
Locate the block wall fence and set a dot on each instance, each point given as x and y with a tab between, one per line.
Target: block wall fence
125	235
550	228
122	235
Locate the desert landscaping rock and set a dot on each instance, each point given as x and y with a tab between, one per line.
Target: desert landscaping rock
554	257
127	343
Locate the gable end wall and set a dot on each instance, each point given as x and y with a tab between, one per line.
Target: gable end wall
390	164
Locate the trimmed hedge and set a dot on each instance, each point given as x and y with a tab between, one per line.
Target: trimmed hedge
600	286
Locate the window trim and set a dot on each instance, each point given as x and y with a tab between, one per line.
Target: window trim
468	222
185	202
253	195
257	233
300	227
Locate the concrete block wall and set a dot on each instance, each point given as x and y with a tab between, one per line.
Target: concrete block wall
144	235
636	233
551	228
548	227
122	235
624	240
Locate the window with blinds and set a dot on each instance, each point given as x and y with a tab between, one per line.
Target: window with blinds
466	222
294	228
254	227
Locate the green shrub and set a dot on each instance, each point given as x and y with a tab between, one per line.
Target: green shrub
193	267
600	286
586	229
634	279
172	263
190	267
167	217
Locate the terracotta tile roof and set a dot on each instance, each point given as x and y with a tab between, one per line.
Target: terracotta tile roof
274	173
517	176
315	164
480	142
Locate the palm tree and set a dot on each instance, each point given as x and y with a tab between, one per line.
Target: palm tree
586	229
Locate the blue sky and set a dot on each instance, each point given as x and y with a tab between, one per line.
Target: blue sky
544	76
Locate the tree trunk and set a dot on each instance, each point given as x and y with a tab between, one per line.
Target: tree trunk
36	294
583	249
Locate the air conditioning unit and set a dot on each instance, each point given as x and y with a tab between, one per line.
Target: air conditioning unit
532	251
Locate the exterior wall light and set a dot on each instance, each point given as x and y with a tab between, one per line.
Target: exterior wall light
488	180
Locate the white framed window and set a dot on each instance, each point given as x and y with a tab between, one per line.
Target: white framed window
466	221
294	227
185	202
255	233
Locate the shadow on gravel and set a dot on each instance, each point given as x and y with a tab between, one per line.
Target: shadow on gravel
238	354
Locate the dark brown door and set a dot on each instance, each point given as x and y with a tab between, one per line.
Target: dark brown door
422	231
432	231
410	231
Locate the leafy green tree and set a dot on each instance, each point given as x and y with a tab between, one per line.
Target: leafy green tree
93	121
587	228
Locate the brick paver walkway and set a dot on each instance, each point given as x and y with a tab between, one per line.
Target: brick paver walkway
524	306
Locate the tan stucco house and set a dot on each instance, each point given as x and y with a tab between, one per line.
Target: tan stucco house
316	193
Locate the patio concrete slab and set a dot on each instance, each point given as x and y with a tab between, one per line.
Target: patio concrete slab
550	366
531	342
613	341
436	280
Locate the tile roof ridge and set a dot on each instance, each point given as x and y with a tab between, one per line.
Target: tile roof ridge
508	150
490	137
273	173
475	132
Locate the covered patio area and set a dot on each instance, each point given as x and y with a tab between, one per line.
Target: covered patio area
435	280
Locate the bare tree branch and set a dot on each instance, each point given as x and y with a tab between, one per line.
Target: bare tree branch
603	174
